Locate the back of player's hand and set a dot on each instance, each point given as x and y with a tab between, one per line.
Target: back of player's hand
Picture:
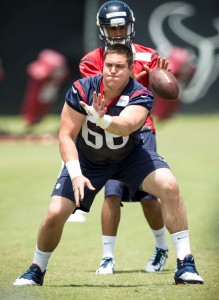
78	184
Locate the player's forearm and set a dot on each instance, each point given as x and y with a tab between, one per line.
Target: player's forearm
67	149
120	126
70	157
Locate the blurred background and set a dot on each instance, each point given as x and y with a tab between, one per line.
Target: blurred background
42	42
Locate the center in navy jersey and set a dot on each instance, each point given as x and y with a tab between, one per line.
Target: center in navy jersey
96	144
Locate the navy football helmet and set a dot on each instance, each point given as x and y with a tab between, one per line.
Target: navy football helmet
114	14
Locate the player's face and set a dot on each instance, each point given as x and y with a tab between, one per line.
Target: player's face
117	33
116	71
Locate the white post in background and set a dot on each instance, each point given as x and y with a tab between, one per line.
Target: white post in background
90	34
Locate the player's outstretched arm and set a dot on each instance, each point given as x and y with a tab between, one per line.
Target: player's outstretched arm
129	120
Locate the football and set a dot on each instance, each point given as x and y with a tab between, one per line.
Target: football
163	84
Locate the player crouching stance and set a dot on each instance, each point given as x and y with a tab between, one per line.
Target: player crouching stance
99	139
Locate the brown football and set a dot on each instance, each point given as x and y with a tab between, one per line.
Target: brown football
163	84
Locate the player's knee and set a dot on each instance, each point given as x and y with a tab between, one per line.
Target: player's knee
170	187
54	217
113	201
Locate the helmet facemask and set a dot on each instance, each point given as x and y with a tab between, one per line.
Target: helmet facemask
127	39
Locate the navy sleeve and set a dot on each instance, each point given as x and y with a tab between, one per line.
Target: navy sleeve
138	94
72	98
142	98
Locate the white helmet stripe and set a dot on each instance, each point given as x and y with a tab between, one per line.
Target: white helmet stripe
116	14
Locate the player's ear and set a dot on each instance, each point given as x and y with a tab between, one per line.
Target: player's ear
131	68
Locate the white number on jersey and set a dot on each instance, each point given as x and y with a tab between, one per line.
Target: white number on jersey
99	138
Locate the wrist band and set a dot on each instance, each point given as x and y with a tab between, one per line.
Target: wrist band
73	167
104	122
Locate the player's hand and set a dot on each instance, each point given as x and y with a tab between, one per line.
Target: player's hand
99	105
162	63
78	184
138	76
98	109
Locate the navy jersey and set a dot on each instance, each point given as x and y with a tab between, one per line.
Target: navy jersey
97	145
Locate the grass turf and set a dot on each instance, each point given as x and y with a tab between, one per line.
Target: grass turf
28	171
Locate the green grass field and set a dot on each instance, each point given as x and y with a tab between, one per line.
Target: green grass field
28	171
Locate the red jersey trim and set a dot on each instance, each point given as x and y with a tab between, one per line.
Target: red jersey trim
140	92
81	91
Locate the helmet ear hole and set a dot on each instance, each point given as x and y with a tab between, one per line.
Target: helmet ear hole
112	14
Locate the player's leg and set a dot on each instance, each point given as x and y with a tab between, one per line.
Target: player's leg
110	215
152	212
62	205
51	228
110	218
163	184
49	235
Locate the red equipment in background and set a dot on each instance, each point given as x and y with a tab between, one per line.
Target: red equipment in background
183	68
46	76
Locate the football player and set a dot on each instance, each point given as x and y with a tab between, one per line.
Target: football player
116	21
